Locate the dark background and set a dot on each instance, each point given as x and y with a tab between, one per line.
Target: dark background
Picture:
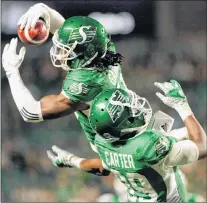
168	41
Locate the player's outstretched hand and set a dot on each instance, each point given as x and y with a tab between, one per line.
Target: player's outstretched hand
62	159
30	18
174	97
11	61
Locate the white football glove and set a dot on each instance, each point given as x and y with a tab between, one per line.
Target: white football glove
52	18
174	97
30	18
62	159
11	61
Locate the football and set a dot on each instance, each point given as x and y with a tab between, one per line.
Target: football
34	36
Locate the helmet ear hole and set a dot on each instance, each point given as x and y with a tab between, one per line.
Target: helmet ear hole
96	121
102	109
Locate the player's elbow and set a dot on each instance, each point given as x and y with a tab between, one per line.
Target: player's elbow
29	120
30	116
26	119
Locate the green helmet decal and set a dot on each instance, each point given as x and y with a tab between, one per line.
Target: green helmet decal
79	38
82	34
116	112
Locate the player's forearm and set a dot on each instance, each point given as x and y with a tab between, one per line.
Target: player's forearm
196	134
28	107
53	107
93	166
57	18
64	158
56	106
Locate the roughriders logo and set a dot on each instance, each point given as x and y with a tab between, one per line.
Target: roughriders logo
162	146
78	88
82	34
115	111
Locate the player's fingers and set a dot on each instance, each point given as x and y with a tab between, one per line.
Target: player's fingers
51	156
161	86
6	49
13	45
23	20
175	84
161	96
22	52
4	54
34	20
56	149
47	19
168	85
29	21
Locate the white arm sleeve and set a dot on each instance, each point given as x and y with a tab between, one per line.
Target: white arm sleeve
179	134
56	19
183	152
29	108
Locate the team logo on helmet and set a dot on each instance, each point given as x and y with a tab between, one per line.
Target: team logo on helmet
162	146
82	34
115	111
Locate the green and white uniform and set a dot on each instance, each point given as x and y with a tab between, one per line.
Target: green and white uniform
139	163
84	85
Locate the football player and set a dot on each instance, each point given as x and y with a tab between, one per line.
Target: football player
81	47
146	160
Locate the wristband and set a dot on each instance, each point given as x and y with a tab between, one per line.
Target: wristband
75	161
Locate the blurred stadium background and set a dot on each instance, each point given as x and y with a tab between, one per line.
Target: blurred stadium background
159	40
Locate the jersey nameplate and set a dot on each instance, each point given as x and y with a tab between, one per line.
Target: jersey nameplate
119	160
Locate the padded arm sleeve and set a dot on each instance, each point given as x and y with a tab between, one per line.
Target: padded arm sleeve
179	134
183	152
29	108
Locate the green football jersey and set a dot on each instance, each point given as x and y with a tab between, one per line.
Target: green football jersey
138	163
84	85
